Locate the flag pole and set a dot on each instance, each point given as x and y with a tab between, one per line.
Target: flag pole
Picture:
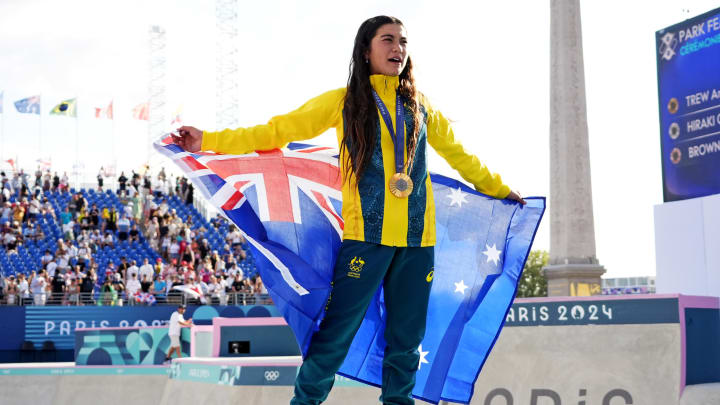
77	145
2	132
40	126
112	139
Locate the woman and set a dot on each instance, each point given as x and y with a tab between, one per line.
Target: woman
11	291
73	293
108	294
388	207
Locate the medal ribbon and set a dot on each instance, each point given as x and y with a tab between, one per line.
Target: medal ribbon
399	138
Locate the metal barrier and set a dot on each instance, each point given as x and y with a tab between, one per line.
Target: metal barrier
122	299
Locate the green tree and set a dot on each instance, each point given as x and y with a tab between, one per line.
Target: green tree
533	283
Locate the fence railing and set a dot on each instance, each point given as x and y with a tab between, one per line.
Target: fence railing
122	299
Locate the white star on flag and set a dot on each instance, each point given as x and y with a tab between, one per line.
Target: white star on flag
492	253
460	287
456	196
422	357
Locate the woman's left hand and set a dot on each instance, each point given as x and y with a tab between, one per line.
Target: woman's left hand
515	196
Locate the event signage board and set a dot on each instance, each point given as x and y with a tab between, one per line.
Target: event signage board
58	324
688	62
593	312
126	345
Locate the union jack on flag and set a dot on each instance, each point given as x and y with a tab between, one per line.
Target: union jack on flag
288	203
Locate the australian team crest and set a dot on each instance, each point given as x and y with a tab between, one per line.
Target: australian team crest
356	265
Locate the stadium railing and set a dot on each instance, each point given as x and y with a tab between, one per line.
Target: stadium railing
115	299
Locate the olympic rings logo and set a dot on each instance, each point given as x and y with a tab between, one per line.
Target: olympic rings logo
272	375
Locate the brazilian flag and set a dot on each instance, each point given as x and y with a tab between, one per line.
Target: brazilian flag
67	108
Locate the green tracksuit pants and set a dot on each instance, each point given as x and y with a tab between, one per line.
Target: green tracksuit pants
360	269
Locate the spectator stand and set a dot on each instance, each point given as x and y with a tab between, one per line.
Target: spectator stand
25	255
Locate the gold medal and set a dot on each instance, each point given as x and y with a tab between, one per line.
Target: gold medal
400	185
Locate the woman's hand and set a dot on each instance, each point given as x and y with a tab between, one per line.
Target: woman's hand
189	138
515	196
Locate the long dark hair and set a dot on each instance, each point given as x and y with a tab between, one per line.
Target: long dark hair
360	114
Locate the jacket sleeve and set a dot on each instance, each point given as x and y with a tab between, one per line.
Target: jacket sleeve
310	120
441	137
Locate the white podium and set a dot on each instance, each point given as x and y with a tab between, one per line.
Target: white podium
687	246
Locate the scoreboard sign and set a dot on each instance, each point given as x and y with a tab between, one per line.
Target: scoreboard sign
688	65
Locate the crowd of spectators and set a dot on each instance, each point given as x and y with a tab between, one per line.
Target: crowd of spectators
186	269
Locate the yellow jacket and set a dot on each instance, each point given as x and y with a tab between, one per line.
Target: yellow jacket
371	213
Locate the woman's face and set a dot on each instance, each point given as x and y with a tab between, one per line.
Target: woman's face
388	50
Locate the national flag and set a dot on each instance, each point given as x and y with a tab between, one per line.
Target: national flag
192	291
287	203
142	112
144	297
30	105
106	112
110	170
177	119
45	164
67	108
11	162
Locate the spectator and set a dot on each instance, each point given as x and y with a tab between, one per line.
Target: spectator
6	213
11	291
46	258
18	213
38	285
136	208
100	179
133	286
132	271
73	293
159	287
46	181
68	232
34	207
146	270
58	288
159	266
260	290
175	250
111	220
47	208
84	255
87	284
146	285
108	295
119	287
66	216
122	181
134	233
23	287
108	240
123	266
110	269
123	226
64	181
174	295
94	216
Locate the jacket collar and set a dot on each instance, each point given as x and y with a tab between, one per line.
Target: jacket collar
385	85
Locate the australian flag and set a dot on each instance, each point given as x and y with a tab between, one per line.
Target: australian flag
288	202
30	105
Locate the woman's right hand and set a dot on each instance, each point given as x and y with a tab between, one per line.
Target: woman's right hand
189	138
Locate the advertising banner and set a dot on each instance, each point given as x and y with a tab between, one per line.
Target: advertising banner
58	324
688	62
